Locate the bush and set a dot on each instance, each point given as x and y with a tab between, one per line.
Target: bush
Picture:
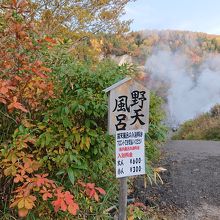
56	157
69	139
204	127
157	131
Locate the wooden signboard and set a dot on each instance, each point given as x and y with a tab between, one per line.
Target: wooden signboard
128	106
128	116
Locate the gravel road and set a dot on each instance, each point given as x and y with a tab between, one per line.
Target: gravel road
191	187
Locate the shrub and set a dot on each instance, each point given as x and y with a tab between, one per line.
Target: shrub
69	139
157	130
204	127
54	146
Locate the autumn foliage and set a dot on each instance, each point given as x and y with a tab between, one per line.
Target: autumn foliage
55	152
23	168
25	85
24	78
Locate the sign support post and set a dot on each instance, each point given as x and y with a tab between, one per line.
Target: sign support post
123	191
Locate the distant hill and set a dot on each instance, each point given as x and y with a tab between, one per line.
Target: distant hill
137	47
140	45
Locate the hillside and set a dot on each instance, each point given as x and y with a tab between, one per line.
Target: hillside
140	45
137	47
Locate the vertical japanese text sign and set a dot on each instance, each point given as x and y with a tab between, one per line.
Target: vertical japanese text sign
128	106
128	118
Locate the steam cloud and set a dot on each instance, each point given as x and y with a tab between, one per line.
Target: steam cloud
191	90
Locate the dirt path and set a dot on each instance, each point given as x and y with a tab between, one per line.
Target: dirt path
192	182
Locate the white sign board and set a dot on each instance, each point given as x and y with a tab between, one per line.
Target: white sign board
130	154
128	107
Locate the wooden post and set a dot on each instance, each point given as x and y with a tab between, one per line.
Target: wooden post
123	191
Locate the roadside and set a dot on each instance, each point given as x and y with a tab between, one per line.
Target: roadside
191	187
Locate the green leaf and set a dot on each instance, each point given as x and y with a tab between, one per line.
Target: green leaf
78	138
87	142
71	175
74	107
93	133
66	122
67	144
80	167
48	138
60	172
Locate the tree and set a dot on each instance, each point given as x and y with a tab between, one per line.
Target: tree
138	40
23	76
79	17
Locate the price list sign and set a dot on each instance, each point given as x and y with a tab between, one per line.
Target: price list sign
130	154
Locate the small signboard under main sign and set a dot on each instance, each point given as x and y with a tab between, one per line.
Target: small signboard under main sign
130	156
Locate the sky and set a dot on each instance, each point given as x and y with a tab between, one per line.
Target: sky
192	15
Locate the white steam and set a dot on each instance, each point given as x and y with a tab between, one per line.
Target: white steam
192	90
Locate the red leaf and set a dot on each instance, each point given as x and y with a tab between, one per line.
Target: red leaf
139	204
57	204
59	192
90	185
96	197
101	191
37	72
63	206
41	75
41	180
38	63
3	100
50	40
46	196
18	178
82	183
90	192
16	105
14	2
73	208
18	78
22	212
4	90
68	197
15	203
22	4
45	69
